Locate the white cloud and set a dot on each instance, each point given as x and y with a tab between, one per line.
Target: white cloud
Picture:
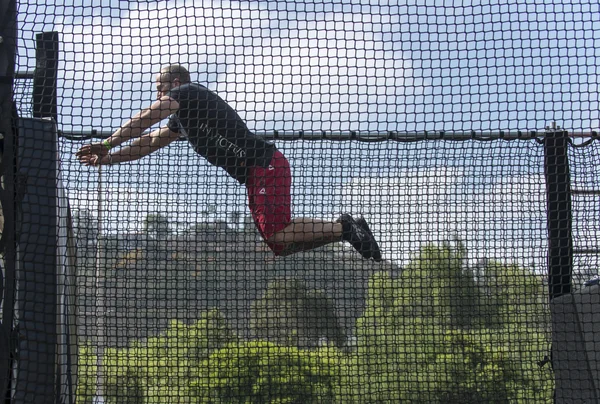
332	82
321	70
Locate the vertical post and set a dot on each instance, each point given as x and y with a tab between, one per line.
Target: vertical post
45	76
100	304
8	141
559	220
36	266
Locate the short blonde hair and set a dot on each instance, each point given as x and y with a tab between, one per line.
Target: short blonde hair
172	72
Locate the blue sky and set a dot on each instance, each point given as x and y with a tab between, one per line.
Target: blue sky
357	65
340	65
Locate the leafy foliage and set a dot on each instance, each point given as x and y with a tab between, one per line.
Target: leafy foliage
261	372
437	333
438	345
87	371
205	363
160	365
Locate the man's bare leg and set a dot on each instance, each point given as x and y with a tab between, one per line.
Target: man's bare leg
305	234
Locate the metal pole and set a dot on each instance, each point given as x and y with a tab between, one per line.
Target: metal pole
100	299
45	103
559	218
8	145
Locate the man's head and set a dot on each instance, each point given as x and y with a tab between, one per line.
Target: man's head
170	77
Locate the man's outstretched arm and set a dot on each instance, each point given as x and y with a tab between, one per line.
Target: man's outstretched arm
139	148
134	128
143	120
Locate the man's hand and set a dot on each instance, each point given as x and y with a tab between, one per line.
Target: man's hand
92	154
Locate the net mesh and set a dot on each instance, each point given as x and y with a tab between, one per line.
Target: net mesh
179	299
586	189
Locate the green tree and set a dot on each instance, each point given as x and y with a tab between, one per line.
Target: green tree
290	313
421	338
259	372
518	297
156	370
86	375
437	284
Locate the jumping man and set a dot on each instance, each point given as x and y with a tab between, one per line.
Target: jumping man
217	133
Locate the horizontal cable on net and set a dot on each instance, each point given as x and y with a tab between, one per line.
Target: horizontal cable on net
366	136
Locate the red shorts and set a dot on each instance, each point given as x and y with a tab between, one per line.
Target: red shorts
269	197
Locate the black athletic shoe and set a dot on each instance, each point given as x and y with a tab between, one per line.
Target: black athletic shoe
360	237
375	250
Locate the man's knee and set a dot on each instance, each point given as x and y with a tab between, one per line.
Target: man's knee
276	238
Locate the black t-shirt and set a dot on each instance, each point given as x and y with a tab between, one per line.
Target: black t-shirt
217	132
